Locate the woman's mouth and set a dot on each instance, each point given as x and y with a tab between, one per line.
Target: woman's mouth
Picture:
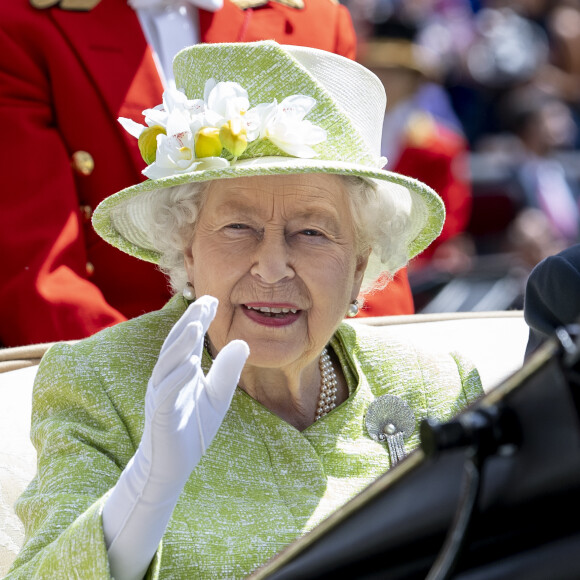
272	315
274	312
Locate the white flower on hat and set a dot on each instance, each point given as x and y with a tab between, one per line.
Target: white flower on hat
226	99
184	135
175	151
226	107
173	100
256	118
286	128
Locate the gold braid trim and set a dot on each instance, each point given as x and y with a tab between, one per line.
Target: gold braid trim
245	4
74	5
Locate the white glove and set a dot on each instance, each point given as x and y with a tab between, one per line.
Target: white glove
183	412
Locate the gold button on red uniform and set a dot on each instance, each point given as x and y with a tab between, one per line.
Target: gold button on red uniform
83	162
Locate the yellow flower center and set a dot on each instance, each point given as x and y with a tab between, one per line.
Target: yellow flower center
207	143
233	136
148	142
186	153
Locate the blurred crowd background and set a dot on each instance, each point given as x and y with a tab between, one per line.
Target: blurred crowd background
484	95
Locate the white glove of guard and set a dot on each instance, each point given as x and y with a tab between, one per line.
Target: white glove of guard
183	412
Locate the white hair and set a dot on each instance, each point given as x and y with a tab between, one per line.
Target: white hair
381	215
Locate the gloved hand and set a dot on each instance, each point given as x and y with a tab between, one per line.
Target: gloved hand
183	412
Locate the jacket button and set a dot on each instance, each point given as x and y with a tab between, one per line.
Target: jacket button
90	269
86	212
83	162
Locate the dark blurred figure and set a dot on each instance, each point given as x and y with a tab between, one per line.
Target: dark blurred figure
552	296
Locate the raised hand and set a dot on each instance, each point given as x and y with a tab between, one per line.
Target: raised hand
183	408
183	411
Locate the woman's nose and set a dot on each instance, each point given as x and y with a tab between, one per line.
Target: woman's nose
272	260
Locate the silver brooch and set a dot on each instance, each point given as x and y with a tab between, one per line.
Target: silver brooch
389	419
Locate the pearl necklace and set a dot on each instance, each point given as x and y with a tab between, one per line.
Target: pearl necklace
328	388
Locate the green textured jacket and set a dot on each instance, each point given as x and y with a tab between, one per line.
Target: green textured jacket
261	484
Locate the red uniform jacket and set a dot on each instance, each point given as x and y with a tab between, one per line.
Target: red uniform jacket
65	78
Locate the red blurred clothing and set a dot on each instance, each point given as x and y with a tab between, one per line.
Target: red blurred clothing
65	78
437	155
395	298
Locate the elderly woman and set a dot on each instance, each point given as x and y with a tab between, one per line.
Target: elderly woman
199	440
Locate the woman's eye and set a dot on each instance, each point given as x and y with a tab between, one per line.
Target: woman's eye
237	226
311	232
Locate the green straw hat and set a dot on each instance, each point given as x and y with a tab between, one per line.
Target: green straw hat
250	109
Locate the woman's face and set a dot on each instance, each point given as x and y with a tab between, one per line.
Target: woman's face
279	254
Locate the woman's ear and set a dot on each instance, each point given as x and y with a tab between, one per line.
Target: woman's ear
188	262
188	258
361	266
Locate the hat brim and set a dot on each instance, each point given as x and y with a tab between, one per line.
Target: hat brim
129	237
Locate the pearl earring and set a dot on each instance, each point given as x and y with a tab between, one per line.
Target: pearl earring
352	309
188	292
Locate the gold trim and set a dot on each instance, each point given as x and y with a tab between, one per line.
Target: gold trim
78	5
298	4
72	5
40	4
245	4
